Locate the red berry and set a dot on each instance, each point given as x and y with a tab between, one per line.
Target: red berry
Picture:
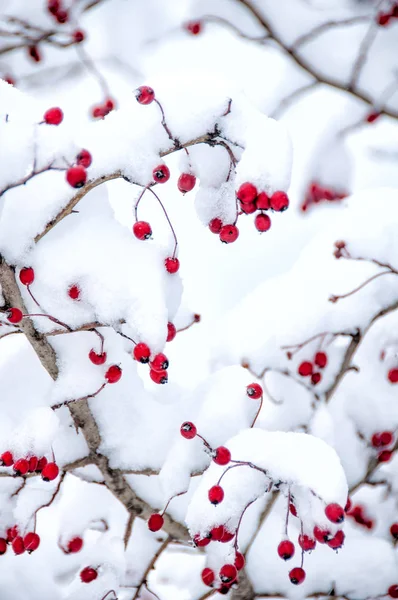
97	359
14	315
216	494
172	265
98	112
186	182
286	549
158	376
12	533
254	390
74	292
316	378
113	374
33	462
228	573
84	158
215	225
160	362
223	456
386	438
41	464
217	533
155	522
208	577
292	509
188	430
305	369
247	193
394	530
227	536
50	472
229	234
201	542
161	174
31	542
142	230
393	591
3	546
194	27
262	223
321	360
62	16
262	201
306	543
88	574
76	176
142	352
249	208
239	561
144	94
53	6
383	19
171	332
27	276
21	466
348	505
18	545
376	440
393	375
78	36
384	456
279	201
335	513
297	575
372	117
74	545
322	535
53	116
109	104
337	541
7	459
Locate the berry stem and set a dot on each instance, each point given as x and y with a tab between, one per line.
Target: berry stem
166	127
258	411
195	319
32	296
336	298
67	402
147	187
168	220
288	513
240	522
53	319
101	337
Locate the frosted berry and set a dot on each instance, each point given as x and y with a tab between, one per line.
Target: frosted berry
160	362
335	513
74	545
12	533
217	533
18	545
142	230
305	369
306	543
31	542
229	234
14	315
160	377
321	360
97	359
21	466
171	332
279	201
155	522
286	549
186	182
254	390
223	456
161	174
41	464
84	158
88	574
215	225
394	530
322	535
6	459
216	494
208	576
393	375
239	561
142	352
297	575
386	438
3	546
76	176
201	542
393	591
316	378
384	456
172	265
227	536
228	573
50	472
53	116
337	541
249	208
27	276
113	374
74	292
247	193
78	36
262	223
144	94
262	201
188	430
33	462
194	27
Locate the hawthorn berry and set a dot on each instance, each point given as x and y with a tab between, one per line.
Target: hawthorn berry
160	362
194	27
393	375
215	225
216	494
223	456
316	378
53	116
383	19
31	542
229	234
53	6
158	376
208	576
188	430
76	176
42	462
50	472
286	549
88	574
84	158
384	456
217	533
386	438
321	360
113	374
142	352
27	276
21	466
262	223
306	543
34	53
142	230
247	193
155	522
14	315
62	16
394	530
33	462
239	561
74	545
18	545
297	575
97	359
393	591
172	265
249	208
144	95
227	536
161	174
262	201
305	368
74	292
201	542
372	116
293	509
335	513
3	546
337	540
78	36
12	533
279	201
228	573
186	182
6	459
254	390
171	332
322	535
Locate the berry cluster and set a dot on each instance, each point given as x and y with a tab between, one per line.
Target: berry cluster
158	364
30	464
317	193
76	175
99	111
20	544
383	441
384	18
357	512
308	368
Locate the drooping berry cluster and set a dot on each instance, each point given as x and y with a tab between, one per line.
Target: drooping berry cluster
76	175
56	9
383	441
308	368
158	363
30	464
317	193
20	544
